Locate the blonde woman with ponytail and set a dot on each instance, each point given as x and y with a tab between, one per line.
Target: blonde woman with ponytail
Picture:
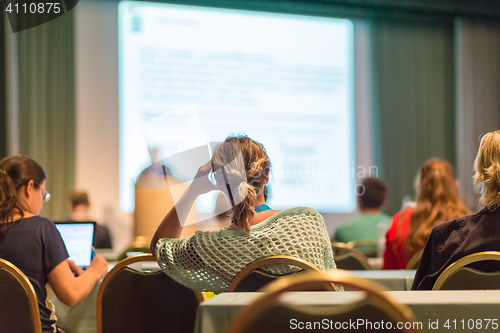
33	243
209	260
453	240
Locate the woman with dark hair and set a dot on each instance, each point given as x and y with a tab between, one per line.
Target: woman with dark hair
438	201
33	243
480	232
209	260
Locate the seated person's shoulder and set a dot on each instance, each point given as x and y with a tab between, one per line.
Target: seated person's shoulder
447	227
450	230
342	228
385	217
301	215
300	211
42	223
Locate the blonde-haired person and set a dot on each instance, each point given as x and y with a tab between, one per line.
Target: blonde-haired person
453	240
438	201
209	260
34	244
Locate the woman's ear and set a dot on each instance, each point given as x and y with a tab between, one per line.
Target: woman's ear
29	188
266	178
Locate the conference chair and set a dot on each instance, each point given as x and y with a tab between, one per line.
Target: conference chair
270	313
368	247
349	258
458	276
252	278
18	303
131	301
414	260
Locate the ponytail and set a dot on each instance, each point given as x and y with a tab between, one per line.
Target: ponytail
247	174
244	211
8	199
16	172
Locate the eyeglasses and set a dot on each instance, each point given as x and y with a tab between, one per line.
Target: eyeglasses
45	196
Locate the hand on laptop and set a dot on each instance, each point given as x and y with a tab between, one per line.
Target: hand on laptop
77	270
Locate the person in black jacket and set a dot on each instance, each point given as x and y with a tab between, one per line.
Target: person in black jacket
453	240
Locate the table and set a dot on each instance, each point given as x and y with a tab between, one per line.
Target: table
216	314
375	263
391	279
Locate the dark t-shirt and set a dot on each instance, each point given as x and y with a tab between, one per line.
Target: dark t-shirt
35	246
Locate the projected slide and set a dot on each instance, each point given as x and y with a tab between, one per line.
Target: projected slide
193	75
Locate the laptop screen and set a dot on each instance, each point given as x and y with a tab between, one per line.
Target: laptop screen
78	238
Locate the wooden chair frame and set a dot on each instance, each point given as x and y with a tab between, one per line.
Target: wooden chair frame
28	287
340	245
414	260
462	262
274	260
400	312
362	242
119	266
351	251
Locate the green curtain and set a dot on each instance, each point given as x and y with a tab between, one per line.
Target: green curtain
3	83
47	106
413	87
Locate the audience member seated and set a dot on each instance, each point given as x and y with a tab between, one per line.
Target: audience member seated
365	226
453	240
33	243
79	205
209	260
437	202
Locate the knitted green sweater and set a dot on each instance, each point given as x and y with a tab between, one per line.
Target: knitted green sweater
209	260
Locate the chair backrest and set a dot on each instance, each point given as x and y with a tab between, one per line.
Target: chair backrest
269	313
368	247
132	301
349	258
459	277
252	279
414	260
18	302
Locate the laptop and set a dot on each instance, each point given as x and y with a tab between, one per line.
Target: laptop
78	238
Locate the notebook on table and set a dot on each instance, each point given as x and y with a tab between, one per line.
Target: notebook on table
78	238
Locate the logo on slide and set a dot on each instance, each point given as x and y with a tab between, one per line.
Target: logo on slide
28	14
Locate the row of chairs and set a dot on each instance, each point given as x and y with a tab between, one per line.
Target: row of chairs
131	300
354	255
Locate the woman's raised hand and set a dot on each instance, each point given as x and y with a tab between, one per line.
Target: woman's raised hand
201	184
